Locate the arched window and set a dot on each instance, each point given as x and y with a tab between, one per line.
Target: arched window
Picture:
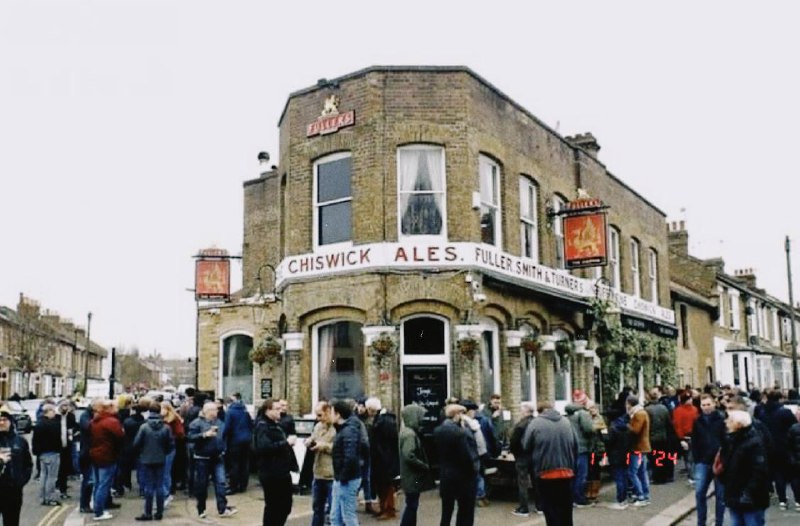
338	361
490	360
425	360
237	369
563	379
527	364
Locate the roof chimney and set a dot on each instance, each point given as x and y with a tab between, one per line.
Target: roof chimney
263	164
678	238
746	276
585	141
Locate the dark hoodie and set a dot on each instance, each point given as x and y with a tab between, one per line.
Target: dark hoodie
551	441
16	473
413	461
154	441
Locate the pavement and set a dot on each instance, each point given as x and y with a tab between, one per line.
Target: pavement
672	504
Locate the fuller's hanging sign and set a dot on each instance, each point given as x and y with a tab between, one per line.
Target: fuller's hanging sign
330	120
584	227
212	277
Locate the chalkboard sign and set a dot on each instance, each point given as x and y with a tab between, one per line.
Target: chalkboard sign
266	388
426	385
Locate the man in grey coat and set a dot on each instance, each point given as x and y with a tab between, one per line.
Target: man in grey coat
550	440
153	443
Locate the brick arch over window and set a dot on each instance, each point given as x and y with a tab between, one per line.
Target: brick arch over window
430	306
313	317
499	314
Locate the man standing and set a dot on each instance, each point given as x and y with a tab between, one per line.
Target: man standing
499	417
69	428
16	467
746	471
581	422
321	444
639	427
206	433
553	447
239	434
152	444
660	431
458	467
384	453
47	448
521	460
350	449
276	461
708	433
107	437
413	462
778	420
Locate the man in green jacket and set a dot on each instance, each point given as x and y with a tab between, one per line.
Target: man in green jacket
413	462
581	422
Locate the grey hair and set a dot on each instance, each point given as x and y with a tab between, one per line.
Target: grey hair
46	408
742	418
373	403
527	407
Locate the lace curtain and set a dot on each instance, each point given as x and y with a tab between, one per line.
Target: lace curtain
326	358
421	191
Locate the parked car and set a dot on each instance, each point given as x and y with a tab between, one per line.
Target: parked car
22	420
32	406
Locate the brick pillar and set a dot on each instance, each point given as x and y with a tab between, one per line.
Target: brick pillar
512	395
545	376
294	384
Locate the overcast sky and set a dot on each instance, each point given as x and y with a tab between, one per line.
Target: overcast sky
128	127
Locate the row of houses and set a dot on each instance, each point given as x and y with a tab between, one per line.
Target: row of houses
43	354
410	245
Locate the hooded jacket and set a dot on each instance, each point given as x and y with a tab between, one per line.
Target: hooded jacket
581	421
550	439
17	472
384	449
618	442
413	461
238	425
659	423
640	429
154	441
47	436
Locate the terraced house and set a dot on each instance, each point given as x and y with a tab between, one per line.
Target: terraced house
408	243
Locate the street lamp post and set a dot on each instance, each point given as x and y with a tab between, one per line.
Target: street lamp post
86	358
791	316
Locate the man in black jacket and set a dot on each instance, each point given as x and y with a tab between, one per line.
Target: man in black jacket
708	433
778	420
458	467
746	470
47	446
350	449
276	462
16	467
521	461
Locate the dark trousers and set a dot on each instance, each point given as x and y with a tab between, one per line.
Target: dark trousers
64	469
10	506
238	456
277	499
87	484
463	492
410	511
320	500
153	486
556	501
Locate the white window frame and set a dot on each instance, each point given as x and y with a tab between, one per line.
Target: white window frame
315	355
733	300
316	205
423	237
491	326
221	356
487	162
613	258
652	259
776	333
424	359
635	274
559	404
529	224
723	305
531	360
558	232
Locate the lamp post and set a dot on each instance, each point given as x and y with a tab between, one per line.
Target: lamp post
791	316
86	358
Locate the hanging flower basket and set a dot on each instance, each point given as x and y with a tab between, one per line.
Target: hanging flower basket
258	356
663	359
531	344
269	347
468	345
564	348
602	351
384	344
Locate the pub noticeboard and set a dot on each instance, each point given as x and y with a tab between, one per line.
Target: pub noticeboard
266	388
426	385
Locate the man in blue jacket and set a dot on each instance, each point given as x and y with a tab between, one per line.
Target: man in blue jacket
238	436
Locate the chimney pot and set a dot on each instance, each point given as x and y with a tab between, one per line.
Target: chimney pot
683	225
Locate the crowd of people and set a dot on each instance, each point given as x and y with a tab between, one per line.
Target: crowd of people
746	444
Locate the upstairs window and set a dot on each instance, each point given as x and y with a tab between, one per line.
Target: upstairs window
490	201
684	314
723	305
652	258
558	230
613	258
637	286
529	237
733	311
333	199
421	193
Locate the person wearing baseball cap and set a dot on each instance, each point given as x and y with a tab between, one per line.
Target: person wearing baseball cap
16	467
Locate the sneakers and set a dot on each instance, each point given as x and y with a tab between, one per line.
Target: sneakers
482	502
641	503
51	503
104	517
229	512
618	506
521	512
582	505
782	506
797	506
168	500
203	514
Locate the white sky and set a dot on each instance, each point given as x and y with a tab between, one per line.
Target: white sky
127	127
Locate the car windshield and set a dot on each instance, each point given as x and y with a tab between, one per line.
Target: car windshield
15	406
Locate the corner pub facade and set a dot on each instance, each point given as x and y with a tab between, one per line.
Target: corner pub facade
416	203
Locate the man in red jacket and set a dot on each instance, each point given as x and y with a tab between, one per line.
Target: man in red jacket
107	437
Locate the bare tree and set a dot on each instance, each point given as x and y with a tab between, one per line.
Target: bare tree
30	340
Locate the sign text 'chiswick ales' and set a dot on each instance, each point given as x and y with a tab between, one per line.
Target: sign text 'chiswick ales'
461	256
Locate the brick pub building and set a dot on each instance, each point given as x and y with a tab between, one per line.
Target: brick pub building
416	204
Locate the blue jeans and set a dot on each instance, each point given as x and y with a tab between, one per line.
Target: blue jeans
747	518
410	511
49	463
321	490
345	500
87	483
168	473
480	492
103	478
620	474
703	475
579	482
153	484
637	473
204	468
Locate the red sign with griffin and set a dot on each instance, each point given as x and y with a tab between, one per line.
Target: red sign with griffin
585	240
212	279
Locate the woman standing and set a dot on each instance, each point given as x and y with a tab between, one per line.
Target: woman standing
171	469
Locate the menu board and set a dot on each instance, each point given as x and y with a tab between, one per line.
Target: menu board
266	388
426	385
